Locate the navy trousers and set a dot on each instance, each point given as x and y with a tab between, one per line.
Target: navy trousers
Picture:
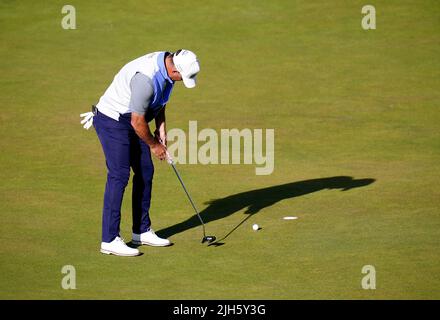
124	149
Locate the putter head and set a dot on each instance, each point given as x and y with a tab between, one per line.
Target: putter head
208	239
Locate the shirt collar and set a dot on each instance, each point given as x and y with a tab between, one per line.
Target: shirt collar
162	68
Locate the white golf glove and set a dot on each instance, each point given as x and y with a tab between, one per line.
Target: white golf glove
87	120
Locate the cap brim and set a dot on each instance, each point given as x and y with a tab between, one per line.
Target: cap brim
189	82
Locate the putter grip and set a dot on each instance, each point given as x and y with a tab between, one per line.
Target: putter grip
169	159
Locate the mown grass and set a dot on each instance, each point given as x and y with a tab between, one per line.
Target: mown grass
343	102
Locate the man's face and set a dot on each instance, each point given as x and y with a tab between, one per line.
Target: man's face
175	75
171	69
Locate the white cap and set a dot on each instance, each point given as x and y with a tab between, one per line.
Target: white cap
187	64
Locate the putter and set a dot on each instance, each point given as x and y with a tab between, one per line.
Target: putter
170	160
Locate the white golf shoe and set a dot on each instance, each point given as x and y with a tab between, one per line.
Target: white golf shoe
150	238
118	248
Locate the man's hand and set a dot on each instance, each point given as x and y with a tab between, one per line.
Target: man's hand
159	150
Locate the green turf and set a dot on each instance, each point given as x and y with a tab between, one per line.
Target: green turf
343	102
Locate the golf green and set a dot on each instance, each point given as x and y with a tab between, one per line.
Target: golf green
355	115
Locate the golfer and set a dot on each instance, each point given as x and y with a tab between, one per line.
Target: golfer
137	95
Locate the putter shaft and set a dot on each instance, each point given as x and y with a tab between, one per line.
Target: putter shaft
189	197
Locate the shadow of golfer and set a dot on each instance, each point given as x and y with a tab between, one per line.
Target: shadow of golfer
255	200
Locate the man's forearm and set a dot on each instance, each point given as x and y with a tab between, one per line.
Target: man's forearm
160	122
142	129
145	134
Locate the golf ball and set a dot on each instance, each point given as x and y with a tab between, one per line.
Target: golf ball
255	227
